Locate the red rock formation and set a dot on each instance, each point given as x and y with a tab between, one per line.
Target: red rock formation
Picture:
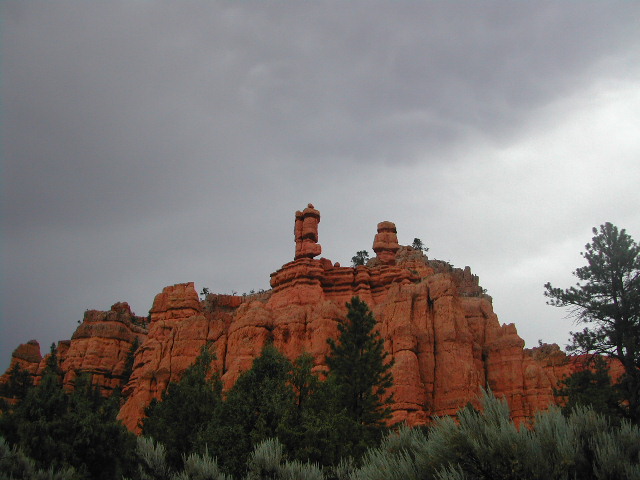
178	330
385	243
440	329
306	233
558	365
28	356
101	345
437	323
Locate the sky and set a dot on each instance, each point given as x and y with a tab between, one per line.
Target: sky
148	143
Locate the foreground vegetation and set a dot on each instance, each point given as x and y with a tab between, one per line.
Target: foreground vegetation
483	445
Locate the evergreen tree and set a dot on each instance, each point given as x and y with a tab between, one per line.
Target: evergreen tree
608	301
129	362
328	434
304	384
303	381
592	388
186	408
15	465
52	364
60	430
314	428
100	447
361	373
418	245
254	410
37	423
20	381
360	258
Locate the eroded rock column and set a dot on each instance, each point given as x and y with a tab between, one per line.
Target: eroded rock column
306	233
385	243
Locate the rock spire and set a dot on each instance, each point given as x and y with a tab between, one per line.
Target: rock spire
385	243
306	233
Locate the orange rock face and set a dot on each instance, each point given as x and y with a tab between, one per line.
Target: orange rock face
306	233
385	243
99	347
437	324
28	357
178	330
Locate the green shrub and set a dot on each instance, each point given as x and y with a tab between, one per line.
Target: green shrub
15	465
488	445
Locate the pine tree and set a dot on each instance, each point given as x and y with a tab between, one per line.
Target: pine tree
593	388
15	465
101	447
361	372
418	245
360	258
312	428
20	381
38	424
254	410
129	362
58	429
187	407
608	301
52	365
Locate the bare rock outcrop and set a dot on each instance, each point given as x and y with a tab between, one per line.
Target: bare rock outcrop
101	346
306	233
28	357
178	330
437	323
385	243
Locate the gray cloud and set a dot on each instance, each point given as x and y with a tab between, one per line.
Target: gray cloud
148	143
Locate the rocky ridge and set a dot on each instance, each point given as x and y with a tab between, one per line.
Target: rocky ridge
437	323
100	346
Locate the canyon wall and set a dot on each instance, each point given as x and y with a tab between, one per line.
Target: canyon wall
437	324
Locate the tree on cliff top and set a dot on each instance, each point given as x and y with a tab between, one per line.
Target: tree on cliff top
359	367
418	245
360	258
607	299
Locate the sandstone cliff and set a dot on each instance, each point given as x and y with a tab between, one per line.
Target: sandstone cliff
436	321
100	347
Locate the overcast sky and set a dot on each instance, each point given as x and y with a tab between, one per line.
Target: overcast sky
149	143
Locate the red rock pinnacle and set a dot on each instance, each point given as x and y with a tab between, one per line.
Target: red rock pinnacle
306	233
385	243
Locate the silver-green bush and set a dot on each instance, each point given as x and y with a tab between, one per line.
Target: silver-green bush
488	445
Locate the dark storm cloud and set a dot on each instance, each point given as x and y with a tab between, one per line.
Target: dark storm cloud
140	135
107	105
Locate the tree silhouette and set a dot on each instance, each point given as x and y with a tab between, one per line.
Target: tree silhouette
607	299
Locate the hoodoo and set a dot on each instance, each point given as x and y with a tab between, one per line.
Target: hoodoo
437	324
306	231
385	243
